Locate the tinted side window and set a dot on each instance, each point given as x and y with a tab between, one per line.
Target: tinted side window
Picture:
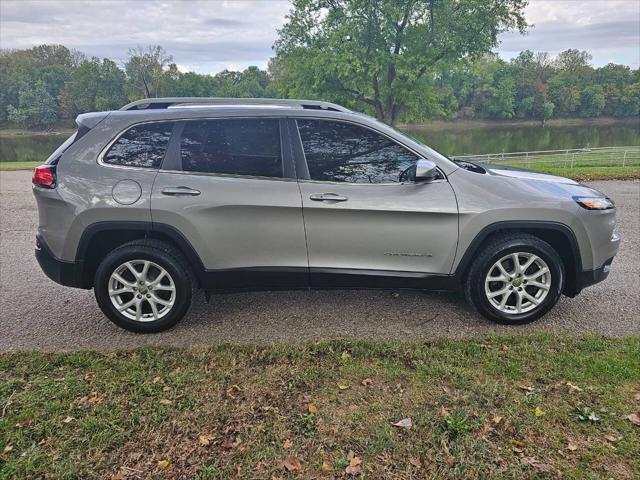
141	146
344	152
233	146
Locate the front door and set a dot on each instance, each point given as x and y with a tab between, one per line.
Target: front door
226	188
364	226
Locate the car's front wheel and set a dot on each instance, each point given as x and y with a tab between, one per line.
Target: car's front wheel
144	286
515	279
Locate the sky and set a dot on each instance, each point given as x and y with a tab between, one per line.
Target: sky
207	36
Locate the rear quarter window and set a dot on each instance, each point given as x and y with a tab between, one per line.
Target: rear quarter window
140	146
55	156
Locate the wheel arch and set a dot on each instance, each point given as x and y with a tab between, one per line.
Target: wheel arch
100	238
560	236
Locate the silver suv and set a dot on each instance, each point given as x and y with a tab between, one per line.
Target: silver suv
148	203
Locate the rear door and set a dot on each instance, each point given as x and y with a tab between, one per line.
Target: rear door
364	226
228	186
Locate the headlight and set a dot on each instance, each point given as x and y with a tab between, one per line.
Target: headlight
595	203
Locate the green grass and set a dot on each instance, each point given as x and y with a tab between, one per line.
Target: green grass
20	132
242	410
581	165
10	166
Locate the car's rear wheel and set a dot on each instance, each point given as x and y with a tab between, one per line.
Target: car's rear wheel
144	286
515	279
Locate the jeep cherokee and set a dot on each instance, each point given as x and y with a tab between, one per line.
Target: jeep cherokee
149	203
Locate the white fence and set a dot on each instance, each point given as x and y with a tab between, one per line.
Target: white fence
625	157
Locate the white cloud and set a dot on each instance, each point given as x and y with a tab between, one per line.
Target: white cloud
608	29
211	35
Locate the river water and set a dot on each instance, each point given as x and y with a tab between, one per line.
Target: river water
449	141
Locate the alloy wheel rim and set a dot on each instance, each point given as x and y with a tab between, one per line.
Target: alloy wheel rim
142	290
517	283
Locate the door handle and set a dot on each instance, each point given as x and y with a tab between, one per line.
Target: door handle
328	197
176	191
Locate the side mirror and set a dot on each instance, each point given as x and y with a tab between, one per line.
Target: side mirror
426	171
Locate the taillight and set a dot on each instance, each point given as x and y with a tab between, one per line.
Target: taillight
44	176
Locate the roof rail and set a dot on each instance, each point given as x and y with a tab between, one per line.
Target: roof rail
160	103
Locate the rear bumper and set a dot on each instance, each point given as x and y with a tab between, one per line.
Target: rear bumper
64	273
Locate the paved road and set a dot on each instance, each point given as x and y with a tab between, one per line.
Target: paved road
37	314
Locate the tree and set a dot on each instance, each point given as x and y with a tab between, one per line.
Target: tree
144	70
379	53
36	107
573	61
94	85
592	101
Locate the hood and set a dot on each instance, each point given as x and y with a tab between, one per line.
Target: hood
527	175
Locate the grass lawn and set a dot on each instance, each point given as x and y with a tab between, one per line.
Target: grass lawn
9	166
585	174
525	407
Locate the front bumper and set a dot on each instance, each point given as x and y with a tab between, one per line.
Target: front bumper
65	273
591	277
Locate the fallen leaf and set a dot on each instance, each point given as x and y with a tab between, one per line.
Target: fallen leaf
205	440
166	401
450	460
497	419
292	464
572	447
443	412
573	387
68	419
542	467
415	462
8	448
538	412
613	438
637	397
89	376
366	381
233	388
354	467
633	418
156	380
525	387
166	389
287	444
404	423
518	446
505	347
312	408
326	467
342	386
164	464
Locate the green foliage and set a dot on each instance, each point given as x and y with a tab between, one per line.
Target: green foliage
36	107
592	101
94	85
346	54
383	54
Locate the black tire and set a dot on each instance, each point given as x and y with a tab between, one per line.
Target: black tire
496	248
161	254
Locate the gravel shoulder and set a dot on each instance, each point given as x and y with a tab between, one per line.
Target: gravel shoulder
37	314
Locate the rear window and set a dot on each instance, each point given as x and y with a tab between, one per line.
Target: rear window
141	146
232	146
